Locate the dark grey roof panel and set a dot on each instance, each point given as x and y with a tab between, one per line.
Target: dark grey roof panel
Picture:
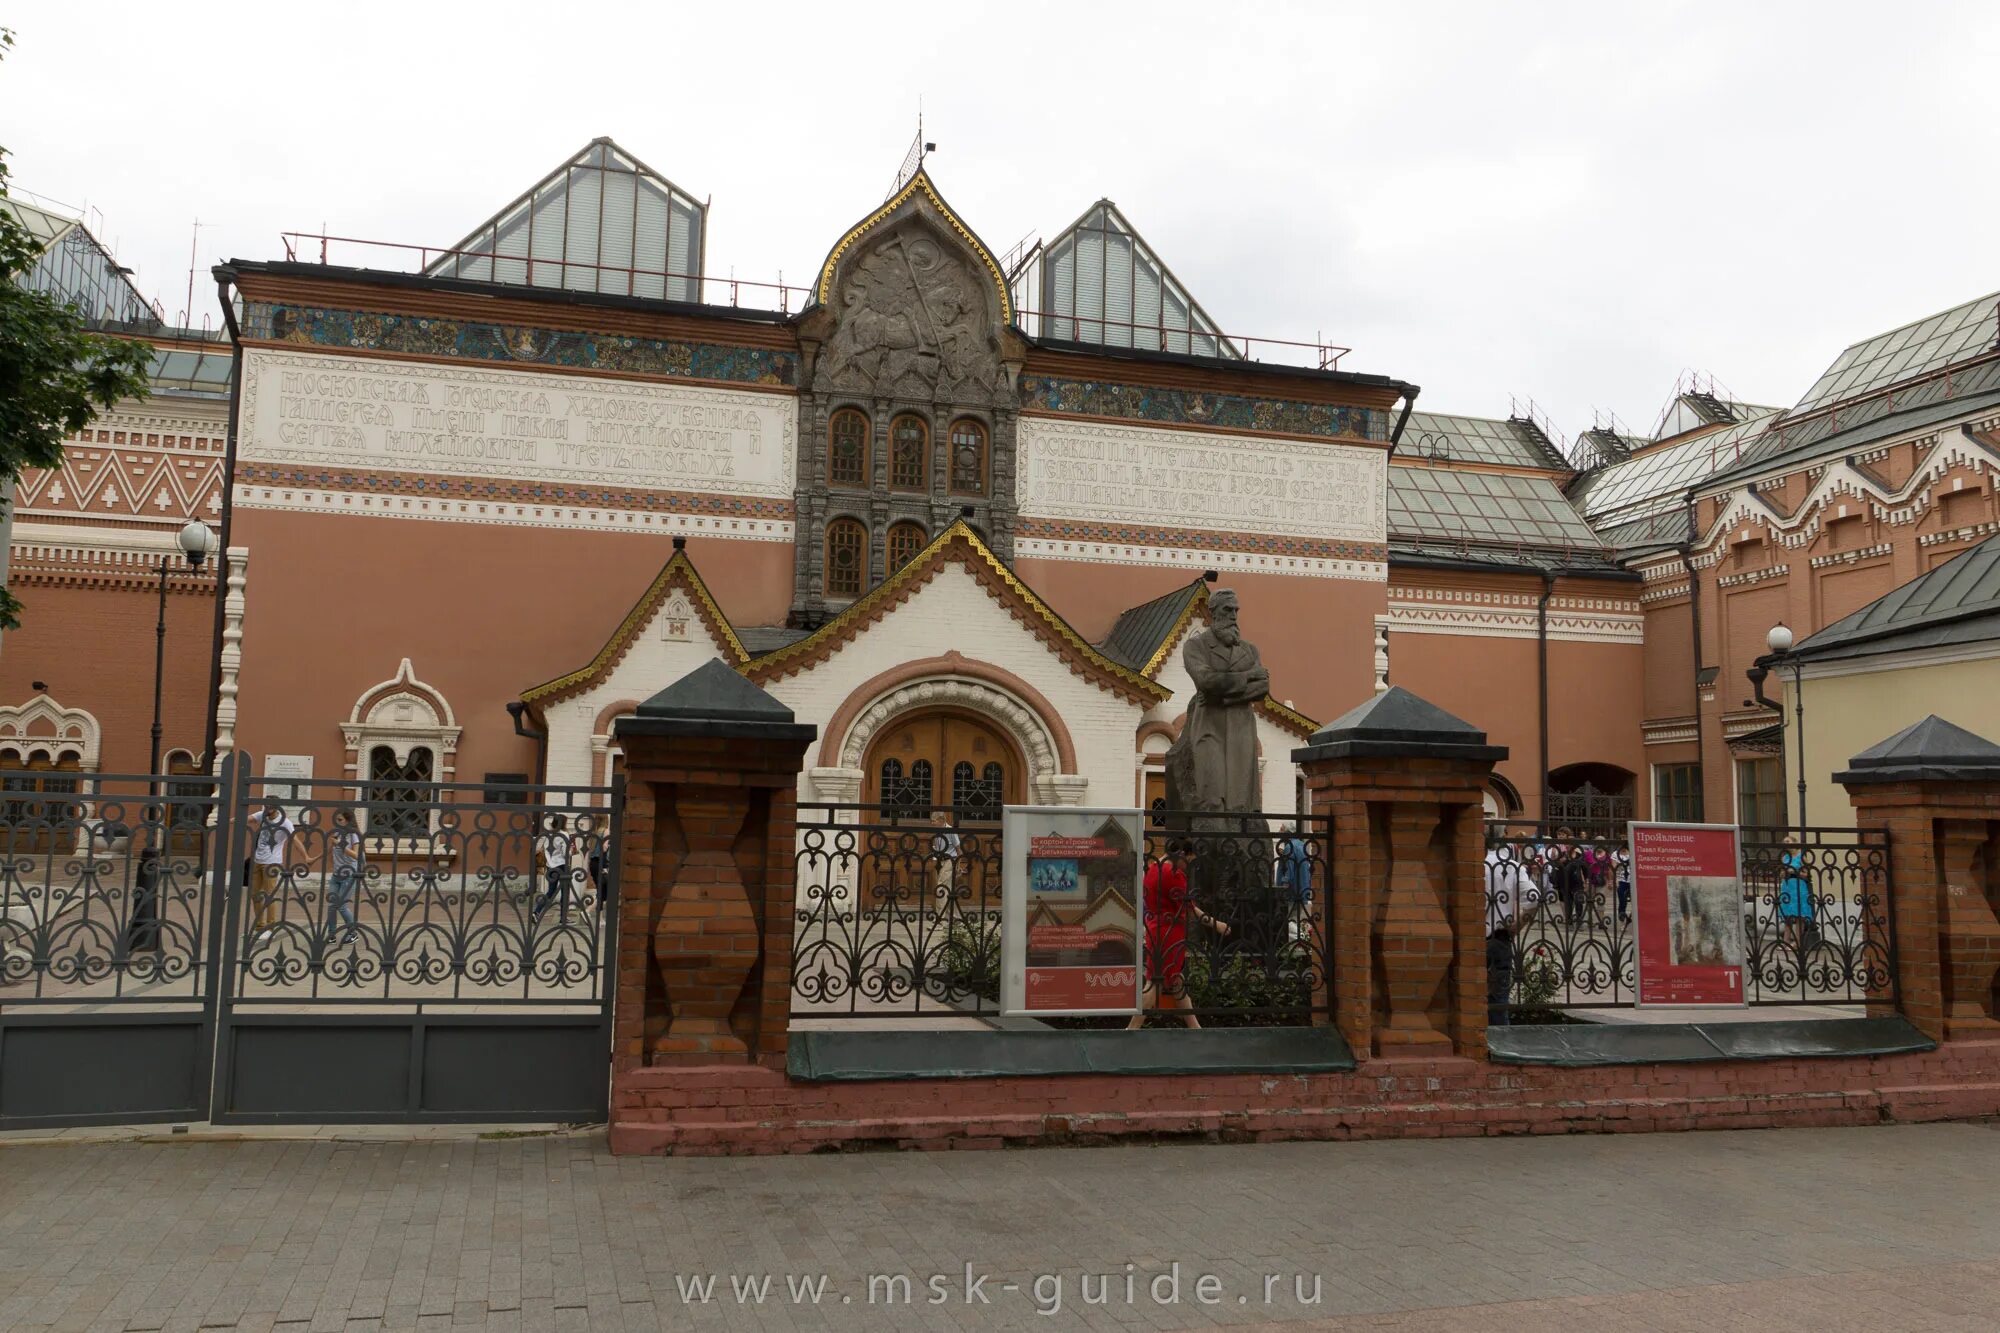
1141	630
1958	602
760	639
1856	427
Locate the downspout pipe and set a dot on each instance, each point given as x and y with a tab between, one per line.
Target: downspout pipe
1542	665
1409	405
519	712
223	278
1686	552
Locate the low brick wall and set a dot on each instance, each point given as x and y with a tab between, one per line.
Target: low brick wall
743	1109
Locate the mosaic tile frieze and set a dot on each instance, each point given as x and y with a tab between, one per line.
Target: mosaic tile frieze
1192	407
427	486
1305	548
518	344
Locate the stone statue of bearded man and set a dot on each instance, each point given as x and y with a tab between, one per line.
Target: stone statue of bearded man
1212	767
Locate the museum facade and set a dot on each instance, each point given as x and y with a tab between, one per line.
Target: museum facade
959	513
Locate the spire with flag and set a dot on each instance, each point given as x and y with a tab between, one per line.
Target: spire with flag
913	160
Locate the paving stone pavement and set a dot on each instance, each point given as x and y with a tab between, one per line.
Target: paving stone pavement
1881	1228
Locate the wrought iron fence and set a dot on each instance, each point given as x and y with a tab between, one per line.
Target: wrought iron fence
1816	929
435	893
105	890
899	915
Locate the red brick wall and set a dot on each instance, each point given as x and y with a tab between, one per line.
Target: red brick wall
745	1109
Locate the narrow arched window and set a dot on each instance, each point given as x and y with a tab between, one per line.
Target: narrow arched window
909	453
846	557
905	540
968	457
847	448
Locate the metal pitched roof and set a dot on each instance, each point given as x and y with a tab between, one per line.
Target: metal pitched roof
1908	351
1102	284
1479	440
1956	603
1141	631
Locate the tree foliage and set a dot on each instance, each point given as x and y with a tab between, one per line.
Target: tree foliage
55	374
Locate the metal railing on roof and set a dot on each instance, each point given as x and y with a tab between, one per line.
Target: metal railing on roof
731	291
1067	326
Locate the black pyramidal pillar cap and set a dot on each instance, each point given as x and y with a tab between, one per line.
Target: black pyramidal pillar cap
1932	750
1396	723
715	699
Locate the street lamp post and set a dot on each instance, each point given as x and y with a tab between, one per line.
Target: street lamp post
195	541
1779	640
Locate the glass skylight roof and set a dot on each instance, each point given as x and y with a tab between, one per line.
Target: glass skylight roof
1102	284
1900	354
601	222
1442	504
77	271
1662	473
177	370
1473	439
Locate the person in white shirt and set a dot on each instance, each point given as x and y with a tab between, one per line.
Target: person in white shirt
553	851
270	836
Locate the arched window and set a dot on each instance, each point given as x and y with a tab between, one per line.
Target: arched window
909	453
968	457
847	448
846	557
905	540
906	796
398	795
978	792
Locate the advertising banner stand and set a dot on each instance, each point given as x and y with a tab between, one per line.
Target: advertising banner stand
1687	905
1072	912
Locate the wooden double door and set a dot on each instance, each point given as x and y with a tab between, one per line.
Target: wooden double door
944	759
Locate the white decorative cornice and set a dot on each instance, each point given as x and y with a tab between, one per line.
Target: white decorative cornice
1497	622
1852	557
1750	576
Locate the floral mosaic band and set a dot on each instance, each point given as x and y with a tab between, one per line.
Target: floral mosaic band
1191	407
514	492
518	344
1305	548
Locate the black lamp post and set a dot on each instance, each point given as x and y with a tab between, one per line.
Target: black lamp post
1779	640
195	541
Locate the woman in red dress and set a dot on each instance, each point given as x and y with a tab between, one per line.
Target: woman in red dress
1168	908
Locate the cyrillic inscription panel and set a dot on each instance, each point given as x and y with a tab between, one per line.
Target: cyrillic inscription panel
336	410
1098	472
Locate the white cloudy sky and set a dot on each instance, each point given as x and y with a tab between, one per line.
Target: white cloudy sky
1572	203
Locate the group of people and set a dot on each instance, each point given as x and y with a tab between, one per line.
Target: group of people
1563	871
571	866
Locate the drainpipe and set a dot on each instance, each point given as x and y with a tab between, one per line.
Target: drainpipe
222	282
518	710
1542	661
1409	406
1686	552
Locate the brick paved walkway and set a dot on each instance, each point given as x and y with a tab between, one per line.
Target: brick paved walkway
1809	1229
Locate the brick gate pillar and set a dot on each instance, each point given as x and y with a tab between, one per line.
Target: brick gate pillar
705	923
1402	781
1934	790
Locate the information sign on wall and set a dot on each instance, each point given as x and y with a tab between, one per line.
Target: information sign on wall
1687	904
1071	907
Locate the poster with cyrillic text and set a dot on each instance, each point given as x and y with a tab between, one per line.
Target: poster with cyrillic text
1687	907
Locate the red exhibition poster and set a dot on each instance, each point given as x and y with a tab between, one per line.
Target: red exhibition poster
1071	938
1687	905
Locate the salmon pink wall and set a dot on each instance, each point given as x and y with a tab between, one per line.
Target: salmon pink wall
93	648
1315	634
333	602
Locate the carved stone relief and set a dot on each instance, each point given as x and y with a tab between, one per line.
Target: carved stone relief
913	324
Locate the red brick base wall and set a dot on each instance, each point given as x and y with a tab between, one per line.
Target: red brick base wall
741	1109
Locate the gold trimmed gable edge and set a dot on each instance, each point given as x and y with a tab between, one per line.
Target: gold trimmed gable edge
921	182
679	569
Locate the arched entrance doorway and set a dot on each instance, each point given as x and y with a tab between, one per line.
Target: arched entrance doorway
943	757
1595	794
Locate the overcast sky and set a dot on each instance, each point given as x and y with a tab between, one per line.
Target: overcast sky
1570	203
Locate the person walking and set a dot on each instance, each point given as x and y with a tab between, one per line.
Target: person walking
553	851
1168	908
270	837
1293	880
1499	975
1795	905
945	846
343	846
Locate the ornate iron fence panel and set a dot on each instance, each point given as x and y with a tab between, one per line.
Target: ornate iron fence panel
1817	929
110	897
898	915
418	952
1817	922
428	893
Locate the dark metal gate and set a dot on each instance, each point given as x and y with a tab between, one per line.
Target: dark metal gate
254	950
